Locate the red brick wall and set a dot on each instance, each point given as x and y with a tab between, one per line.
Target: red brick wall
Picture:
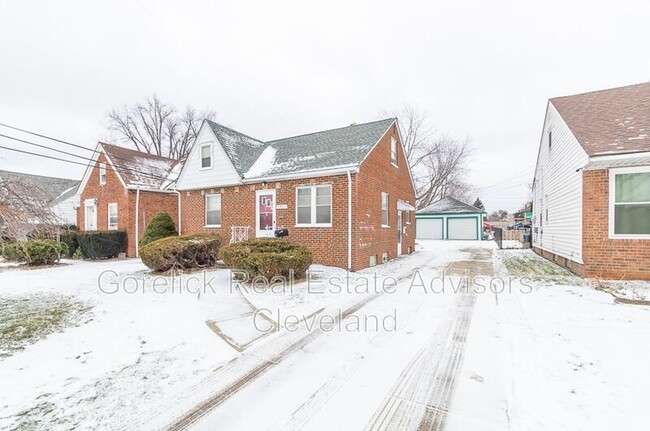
329	245
605	257
376	175
114	192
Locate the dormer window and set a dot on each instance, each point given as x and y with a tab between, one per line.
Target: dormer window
393	151
206	156
102	174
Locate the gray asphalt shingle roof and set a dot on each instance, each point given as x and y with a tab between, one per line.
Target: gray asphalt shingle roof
346	146
48	187
449	205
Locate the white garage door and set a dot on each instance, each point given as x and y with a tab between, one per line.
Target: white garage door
462	228
428	228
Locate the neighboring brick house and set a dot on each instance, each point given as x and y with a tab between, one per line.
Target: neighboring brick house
591	194
119	184
347	194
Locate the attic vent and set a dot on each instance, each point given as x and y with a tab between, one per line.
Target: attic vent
353	124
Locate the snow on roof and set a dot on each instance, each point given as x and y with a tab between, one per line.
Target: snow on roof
449	205
138	169
612	121
329	149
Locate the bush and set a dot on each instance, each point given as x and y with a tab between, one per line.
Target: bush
268	257
35	252
70	238
161	226
102	244
182	252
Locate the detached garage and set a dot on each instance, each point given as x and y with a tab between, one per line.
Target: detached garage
449	218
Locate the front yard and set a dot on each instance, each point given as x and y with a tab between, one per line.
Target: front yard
100	346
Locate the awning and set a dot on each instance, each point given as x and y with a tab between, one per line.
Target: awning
404	206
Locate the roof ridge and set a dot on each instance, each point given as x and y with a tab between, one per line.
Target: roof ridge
143	153
40	176
236	131
600	91
330	130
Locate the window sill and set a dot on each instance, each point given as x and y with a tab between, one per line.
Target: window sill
212	226
112	228
206	168
635	236
314	225
394	164
385	226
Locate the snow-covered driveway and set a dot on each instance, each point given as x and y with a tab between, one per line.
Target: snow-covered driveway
398	352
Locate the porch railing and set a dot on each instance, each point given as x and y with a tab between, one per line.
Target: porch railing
238	233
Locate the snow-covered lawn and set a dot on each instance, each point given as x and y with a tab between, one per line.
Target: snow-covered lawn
103	345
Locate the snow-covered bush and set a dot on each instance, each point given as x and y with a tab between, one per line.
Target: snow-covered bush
102	244
35	251
161	226
268	257
182	252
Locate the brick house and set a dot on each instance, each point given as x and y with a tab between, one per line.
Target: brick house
347	194
122	189
591	194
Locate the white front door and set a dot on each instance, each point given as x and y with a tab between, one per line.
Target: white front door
90	215
264	213
399	232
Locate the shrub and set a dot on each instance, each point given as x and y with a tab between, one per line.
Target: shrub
35	251
269	257
102	244
70	238
182	252
161	226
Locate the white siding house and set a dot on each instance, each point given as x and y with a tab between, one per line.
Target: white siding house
65	206
557	189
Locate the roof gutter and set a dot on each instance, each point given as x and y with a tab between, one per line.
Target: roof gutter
339	170
349	173
137	223
179	212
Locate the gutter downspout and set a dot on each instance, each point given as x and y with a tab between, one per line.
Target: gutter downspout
137	222
179	212
349	221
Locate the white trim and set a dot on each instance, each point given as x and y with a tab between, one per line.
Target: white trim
102	173
201	146
90	203
108	216
257	212
612	201
313	205
387	210
338	170
205	211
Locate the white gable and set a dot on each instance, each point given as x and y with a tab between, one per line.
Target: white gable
557	192
222	173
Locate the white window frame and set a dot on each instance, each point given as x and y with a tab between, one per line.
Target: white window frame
612	201
387	196
108	218
201	147
102	174
393	143
205	211
313	205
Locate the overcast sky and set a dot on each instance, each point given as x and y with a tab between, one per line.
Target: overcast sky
482	69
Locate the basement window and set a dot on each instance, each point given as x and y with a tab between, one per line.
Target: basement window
629	196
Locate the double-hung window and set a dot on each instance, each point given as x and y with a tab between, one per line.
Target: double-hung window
314	205
384	209
213	210
393	151
102	174
206	156
629	198
112	216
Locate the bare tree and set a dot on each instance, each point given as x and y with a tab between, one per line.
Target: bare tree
438	162
157	128
25	212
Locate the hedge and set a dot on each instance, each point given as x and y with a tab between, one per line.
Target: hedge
102	244
35	251
268	257
182	252
161	226
70	238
